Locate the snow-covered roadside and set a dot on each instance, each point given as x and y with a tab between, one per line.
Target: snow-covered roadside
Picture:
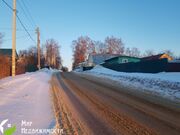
166	85
27	98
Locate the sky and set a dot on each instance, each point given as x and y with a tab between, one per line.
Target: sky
145	24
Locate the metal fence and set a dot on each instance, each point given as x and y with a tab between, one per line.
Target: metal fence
149	66
173	67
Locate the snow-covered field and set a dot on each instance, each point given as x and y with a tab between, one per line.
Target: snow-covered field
27	98
166	85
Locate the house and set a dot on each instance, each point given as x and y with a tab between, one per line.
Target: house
5	62
96	59
153	64
158	57
80	66
7	53
122	59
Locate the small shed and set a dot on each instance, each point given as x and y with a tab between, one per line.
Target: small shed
122	59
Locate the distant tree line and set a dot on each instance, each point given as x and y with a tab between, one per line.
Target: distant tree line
84	46
81	47
28	59
50	56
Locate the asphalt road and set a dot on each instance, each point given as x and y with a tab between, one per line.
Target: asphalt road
88	106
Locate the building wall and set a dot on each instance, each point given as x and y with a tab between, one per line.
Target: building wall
129	59
5	66
121	59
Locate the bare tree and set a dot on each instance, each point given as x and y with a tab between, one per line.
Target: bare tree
114	45
27	61
23	53
128	51
100	47
149	53
52	56
32	51
81	48
134	52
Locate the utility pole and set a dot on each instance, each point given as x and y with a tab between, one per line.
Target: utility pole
14	40
38	48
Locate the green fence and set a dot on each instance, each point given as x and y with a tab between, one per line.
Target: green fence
150	66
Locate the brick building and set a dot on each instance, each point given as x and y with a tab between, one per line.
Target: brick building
5	62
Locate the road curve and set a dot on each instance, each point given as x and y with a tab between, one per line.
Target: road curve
85	106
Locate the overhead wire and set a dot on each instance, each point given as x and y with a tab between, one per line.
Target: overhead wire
8	29
20	37
25	29
27	9
25	14
20	21
7	5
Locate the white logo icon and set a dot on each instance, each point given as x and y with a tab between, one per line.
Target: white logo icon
1	125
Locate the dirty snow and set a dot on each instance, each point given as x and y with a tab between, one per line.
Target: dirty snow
162	84
27	97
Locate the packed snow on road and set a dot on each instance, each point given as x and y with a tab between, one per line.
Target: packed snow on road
162	84
25	101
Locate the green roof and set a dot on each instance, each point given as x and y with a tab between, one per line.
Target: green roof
6	52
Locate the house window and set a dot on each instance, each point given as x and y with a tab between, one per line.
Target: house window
124	60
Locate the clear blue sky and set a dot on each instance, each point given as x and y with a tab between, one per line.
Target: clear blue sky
146	24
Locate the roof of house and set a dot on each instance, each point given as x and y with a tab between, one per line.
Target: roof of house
121	56
153	57
100	58
6	52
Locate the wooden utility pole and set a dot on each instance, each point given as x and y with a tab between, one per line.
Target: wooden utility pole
14	40
38	48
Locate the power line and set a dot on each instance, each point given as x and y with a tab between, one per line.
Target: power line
8	29
20	21
20	37
25	14
25	29
28	13
8	5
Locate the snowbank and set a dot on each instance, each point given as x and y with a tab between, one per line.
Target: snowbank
163	84
27	98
